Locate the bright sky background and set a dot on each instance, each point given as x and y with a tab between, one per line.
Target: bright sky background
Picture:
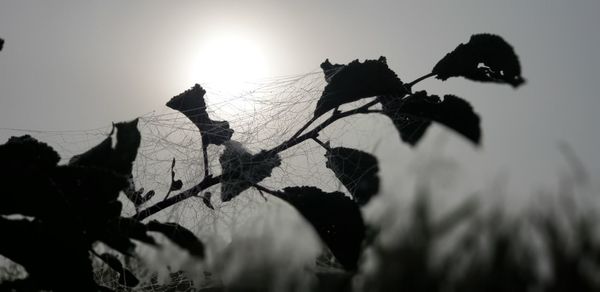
71	65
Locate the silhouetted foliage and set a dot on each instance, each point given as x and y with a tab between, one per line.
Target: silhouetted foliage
126	278
191	103
413	115
69	208
241	169
334	216
180	236
347	83
1	44
486	57
357	170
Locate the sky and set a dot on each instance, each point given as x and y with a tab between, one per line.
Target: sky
79	65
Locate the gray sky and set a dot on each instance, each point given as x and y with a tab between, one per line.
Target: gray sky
76	65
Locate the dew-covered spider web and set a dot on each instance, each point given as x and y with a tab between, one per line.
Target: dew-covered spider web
262	118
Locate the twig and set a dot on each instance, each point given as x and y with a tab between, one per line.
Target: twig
210	181
324	145
410	85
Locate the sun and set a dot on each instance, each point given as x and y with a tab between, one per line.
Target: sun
230	62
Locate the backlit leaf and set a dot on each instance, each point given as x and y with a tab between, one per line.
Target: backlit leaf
412	115
357	170
126	278
486	57
180	236
241	169
335	217
118	159
348	83
191	103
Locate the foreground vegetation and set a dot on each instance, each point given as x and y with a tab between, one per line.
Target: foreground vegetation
72	213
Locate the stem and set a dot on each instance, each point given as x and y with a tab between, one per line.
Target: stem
266	190
210	181
410	85
207	182
321	143
205	157
315	132
314	118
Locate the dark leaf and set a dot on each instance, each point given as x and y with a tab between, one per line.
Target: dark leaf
348	83
38	246
357	170
1	44
413	115
486	57
128	142
118	234
176	185
180	236
335	217
191	103
25	176
126	278
120	159
330	69
242	169
25	150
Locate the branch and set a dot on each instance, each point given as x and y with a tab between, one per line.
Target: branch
315	132
410	85
205	157
210	181
206	183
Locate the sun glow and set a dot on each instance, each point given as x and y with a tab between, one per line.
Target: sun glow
230	63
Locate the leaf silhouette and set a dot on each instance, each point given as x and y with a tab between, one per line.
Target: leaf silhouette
335	217
25	175
180	236
126	278
191	103
27	150
120	159
413	115
357	170
486	57
118	232
348	83
242	169
175	184
1	44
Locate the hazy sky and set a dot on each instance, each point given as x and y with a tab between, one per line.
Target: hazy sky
76	65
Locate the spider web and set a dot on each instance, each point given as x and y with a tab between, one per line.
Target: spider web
262	118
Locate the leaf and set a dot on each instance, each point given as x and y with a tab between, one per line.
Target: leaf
191	103
357	170
27	150
180	236
126	278
348	83
1	44
175	184
335	217
120	159
242	169
414	114
330	69
25	176
486	57
118	232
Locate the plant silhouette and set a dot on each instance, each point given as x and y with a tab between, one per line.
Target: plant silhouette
77	203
